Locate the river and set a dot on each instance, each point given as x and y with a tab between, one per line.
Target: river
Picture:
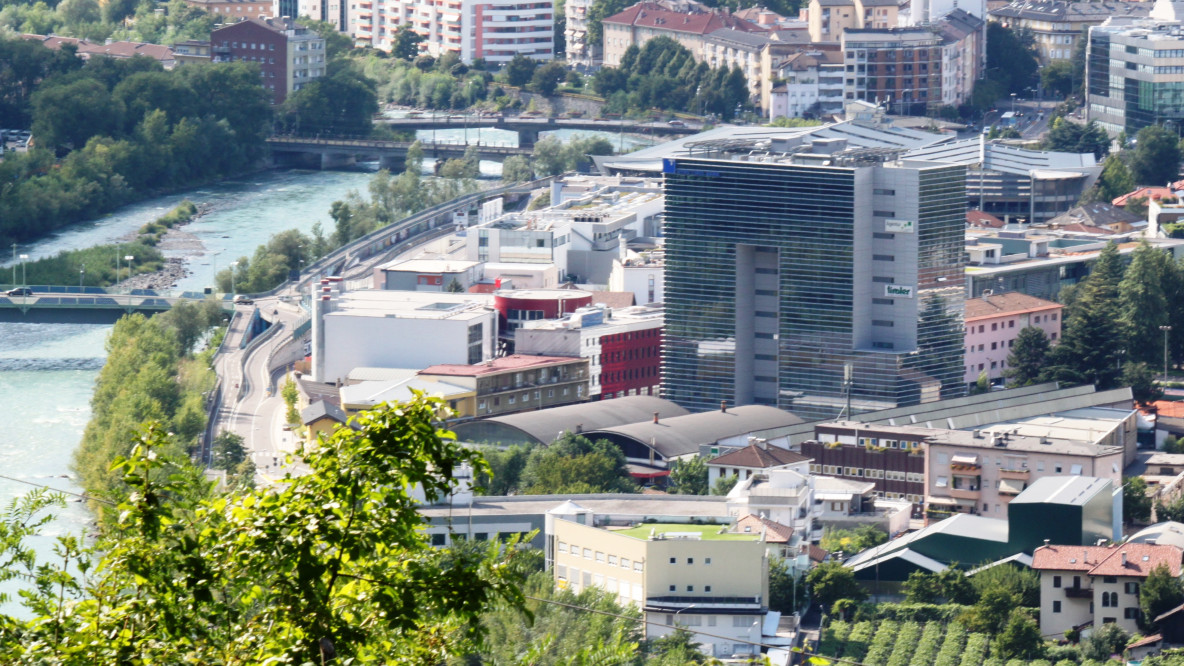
47	371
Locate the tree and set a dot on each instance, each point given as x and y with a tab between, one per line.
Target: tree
547	77
949	586
831	581
688	476
1156	158
1022	582
342	103
1104	642
516	169
1027	358
407	41
1091	345
1010	61
190	321
783	592
1020	638
505	469
1143	303
1068	136
724	484
70	113
1114	181
520	70
228	451
852	541
576	464
290	394
548	158
675	649
992	611
982	384
1136	503
1057	77
1141	379
1160	593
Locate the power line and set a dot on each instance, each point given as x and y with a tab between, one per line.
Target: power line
58	490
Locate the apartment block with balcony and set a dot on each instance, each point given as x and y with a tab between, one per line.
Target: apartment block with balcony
517	383
981	471
493	30
806	84
829	18
784	495
892	459
1096	585
688	26
288	54
700	577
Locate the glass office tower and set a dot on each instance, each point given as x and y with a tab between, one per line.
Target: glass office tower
783	271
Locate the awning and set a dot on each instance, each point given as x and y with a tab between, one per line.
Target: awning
1011	486
943	500
964	459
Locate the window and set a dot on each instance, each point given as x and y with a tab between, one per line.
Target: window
674	588
1130	613
1110	579
1131	588
742	621
707	561
587	553
562	547
1056	606
706	588
1056	581
674	560
438	539
690	588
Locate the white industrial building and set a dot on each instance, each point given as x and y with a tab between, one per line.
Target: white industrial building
399	329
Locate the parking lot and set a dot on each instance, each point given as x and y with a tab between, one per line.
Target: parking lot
18	140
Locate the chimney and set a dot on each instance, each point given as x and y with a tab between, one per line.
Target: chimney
1046	542
655	417
579	428
723	406
1124	558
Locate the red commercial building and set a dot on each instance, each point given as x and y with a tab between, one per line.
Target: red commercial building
623	346
518	306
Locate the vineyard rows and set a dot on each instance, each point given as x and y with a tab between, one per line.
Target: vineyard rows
893	643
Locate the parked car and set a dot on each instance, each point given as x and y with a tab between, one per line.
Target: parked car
243	300
676	123
19	291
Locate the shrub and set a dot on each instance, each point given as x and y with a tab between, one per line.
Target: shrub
928	646
833	638
951	650
906	644
976	650
881	647
858	643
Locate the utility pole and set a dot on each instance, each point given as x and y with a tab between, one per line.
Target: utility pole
14	263
1166	330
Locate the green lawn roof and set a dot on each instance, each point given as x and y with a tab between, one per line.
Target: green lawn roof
705	532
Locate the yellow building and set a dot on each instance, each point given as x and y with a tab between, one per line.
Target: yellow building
829	18
705	578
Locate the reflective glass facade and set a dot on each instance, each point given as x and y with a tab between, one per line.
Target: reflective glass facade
780	274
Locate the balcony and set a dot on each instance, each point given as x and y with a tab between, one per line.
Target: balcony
969	492
1017	474
1079	592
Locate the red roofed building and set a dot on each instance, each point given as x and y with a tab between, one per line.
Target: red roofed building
87	49
645	20
981	220
993	322
1096	584
518	383
1146	193
754	459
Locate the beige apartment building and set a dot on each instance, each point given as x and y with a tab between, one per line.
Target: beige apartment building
700	577
1057	26
646	20
981	471
1096	585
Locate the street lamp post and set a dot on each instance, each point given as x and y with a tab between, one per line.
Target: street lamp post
233	265
1013	107
81	275
24	278
681	610
129	259
1166	330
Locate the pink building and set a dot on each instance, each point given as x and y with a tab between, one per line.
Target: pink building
995	320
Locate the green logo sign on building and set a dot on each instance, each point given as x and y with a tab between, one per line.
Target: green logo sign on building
898	291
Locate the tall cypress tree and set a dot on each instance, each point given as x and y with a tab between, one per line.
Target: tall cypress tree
1143	304
1093	343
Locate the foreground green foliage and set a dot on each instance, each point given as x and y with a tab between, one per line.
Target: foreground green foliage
330	565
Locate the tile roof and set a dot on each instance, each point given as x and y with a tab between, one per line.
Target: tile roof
1068	558
614	299
1169	408
1144	193
774	532
651	15
817	553
320	410
977	218
1097	214
1150	640
1010	303
1127	559
503	364
757	457
88	48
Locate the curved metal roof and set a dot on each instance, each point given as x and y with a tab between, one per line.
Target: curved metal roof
545	425
682	435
